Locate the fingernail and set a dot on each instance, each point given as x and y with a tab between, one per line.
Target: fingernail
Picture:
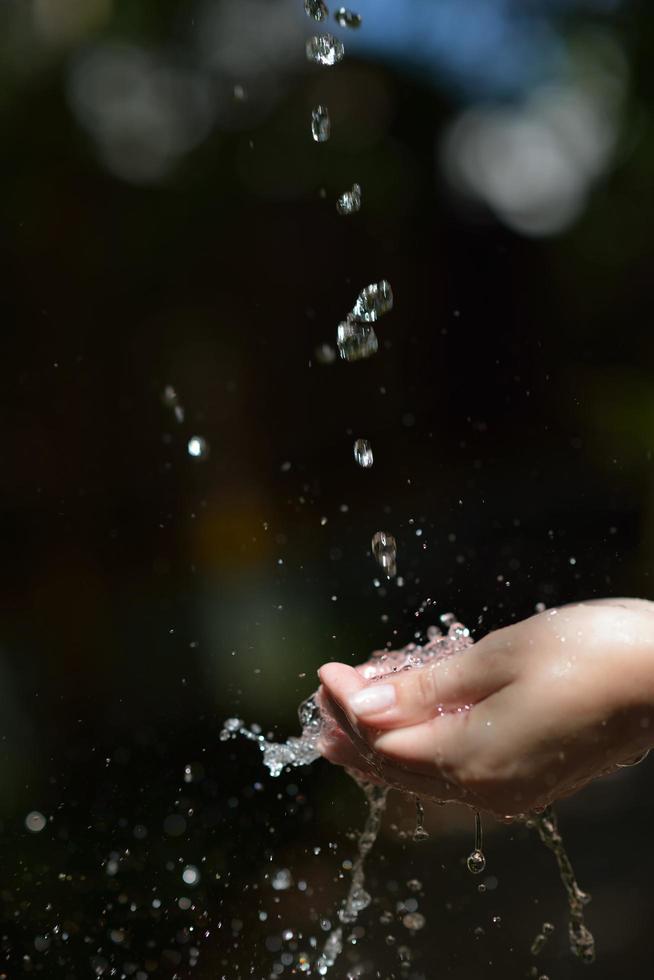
370	700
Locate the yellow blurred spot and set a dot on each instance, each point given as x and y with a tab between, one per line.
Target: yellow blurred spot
66	21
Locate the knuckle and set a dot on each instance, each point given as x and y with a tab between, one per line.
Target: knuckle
427	691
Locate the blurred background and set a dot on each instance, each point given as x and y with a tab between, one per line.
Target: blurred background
185	534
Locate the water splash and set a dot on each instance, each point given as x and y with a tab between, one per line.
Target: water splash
303	750
582	942
357	898
295	752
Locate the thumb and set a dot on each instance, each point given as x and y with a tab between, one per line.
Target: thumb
409	697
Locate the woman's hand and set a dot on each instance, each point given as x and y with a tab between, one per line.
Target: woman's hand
528	714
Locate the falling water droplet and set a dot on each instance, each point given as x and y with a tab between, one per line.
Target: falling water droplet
35	822
198	447
476	861
190	875
420	834
413	921
347	18
281	880
350	201
316	9
384	549
363	453
356	341
325	354
373	301
320	124
325	49
546	931
171	400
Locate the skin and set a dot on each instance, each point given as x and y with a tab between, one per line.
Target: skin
527	715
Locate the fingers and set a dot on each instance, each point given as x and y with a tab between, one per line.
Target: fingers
414	696
435	745
341	751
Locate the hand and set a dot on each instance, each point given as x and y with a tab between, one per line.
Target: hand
528	714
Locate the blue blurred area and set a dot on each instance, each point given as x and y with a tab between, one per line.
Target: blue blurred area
482	49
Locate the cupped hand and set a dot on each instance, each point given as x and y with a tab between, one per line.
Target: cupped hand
528	714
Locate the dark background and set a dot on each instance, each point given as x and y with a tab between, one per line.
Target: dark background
158	229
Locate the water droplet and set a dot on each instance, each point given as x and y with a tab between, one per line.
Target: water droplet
384	549
193	772
170	399
320	124
281	880
356	341
325	49
539	941
420	834
198	447
35	822
414	885
325	354
316	9
414	920
350	201
190	875
373	302
363	453
476	862
404	954
347	18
